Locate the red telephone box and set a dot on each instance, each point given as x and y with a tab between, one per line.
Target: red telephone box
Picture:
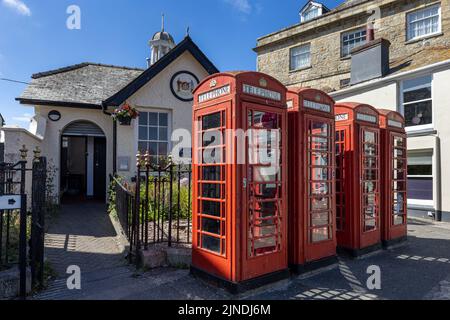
357	178
312	227
240	198
393	177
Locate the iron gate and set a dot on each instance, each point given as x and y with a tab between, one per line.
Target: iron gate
156	208
21	230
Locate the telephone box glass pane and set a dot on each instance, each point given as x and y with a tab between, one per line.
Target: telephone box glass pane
320	189
319	159
211	243
211	191
320	219
211	173
319	174
211	208
319	204
265	120
266	191
211	226
319	128
211	121
320	234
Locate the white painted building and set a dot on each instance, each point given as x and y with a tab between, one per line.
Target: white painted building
73	126
422	95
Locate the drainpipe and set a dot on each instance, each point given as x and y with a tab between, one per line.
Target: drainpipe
104	109
438	177
370	32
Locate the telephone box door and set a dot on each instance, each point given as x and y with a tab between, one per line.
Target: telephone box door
320	203
264	182
370	186
343	187
211	196
398	205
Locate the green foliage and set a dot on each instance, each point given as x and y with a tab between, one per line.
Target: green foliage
159	202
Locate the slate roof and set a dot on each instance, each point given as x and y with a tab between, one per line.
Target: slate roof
93	85
86	84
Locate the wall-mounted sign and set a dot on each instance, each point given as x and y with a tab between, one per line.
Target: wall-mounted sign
260	92
342	117
10	202
183	84
395	124
290	104
366	117
214	93
54	115
317	106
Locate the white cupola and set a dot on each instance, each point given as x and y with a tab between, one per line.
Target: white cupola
162	42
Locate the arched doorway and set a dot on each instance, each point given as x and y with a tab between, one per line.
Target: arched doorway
83	162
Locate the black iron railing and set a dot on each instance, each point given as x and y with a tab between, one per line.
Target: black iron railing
21	230
156	208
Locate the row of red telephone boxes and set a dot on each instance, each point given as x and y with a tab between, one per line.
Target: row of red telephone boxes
340	181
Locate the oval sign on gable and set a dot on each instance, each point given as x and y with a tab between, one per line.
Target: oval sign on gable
183	84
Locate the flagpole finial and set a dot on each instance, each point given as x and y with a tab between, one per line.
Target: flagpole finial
162	22
188	29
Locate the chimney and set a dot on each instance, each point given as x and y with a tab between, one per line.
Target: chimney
371	60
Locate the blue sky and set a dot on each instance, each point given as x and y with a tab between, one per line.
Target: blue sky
34	36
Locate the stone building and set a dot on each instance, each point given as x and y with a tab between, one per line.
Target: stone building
402	64
316	53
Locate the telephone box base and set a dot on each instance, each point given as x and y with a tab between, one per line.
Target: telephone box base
240	287
356	253
312	266
388	244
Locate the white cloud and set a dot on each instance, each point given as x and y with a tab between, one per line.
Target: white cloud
26	117
18	6
243	6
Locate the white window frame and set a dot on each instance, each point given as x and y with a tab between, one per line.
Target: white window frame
408	23
418	202
429	126
169	128
307	12
347	33
291	56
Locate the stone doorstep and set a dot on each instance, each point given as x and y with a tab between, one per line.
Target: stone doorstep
157	257
10	283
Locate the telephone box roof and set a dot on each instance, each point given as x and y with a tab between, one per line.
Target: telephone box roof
302	90
237	74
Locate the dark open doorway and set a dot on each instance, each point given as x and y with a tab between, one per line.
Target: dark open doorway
83	163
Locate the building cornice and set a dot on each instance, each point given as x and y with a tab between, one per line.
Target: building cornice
21	130
333	16
378	82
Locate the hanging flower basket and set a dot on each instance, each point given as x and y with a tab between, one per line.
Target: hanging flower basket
125	114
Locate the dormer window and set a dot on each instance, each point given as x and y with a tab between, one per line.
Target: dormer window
312	10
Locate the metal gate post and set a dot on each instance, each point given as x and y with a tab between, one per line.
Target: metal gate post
23	230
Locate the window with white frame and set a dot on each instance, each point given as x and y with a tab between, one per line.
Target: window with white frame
311	13
417	102
153	134
300	57
420	178
351	40
424	22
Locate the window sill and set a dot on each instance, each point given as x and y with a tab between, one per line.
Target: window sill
420	132
301	69
415	40
349	57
